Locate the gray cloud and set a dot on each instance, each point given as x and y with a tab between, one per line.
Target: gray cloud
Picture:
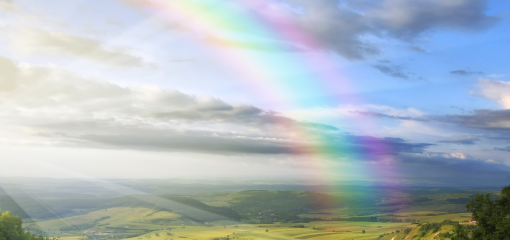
462	139
465	72
343	27
501	137
325	25
396	72
69	109
383	115
504	149
387	145
216	142
337	29
417	49
481	119
174	141
486	119
408	19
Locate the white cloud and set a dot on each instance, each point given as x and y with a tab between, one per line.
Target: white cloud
8	5
460	156
490	161
63	108
498	91
33	41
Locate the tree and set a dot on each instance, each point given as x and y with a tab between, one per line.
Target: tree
10	229
460	233
363	231
492	215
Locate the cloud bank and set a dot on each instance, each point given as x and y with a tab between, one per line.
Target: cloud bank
86	112
346	27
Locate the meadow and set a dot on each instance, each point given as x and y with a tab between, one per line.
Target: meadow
140	222
159	210
355	212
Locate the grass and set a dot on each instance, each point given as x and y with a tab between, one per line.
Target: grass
323	230
415	232
130	220
147	224
73	238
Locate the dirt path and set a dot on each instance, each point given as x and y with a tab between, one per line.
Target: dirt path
434	236
394	237
316	235
452	218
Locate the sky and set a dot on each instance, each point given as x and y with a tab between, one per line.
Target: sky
323	91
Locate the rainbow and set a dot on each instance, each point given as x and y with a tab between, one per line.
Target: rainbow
235	24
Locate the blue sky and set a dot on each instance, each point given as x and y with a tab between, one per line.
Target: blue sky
122	89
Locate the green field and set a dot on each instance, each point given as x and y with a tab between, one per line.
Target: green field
117	222
323	230
248	214
147	224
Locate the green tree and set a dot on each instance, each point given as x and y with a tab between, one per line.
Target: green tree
363	231
492	215
11	229
460	233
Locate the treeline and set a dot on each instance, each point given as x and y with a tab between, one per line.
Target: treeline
355	219
128	232
256	202
458	200
281	206
436	226
78	227
399	220
413	201
11	229
295	202
349	219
